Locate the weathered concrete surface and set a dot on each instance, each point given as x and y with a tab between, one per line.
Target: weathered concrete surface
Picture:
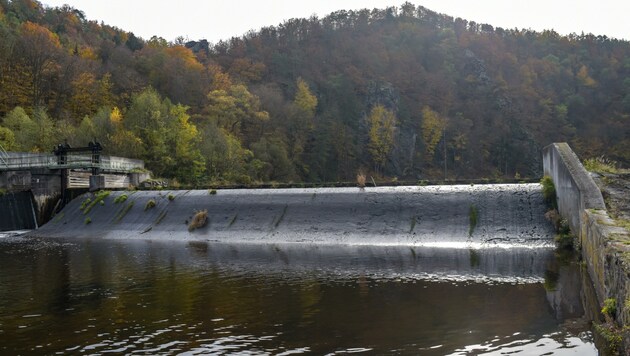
430	216
575	188
17	211
604	245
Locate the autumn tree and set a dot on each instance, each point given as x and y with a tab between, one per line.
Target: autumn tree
433	126
382	123
39	49
237	111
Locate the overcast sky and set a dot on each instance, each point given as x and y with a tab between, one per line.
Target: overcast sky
216	20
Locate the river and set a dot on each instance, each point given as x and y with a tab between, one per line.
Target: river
89	296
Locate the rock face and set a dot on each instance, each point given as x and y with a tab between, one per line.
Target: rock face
511	214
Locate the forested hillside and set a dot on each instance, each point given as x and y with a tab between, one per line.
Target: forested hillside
401	92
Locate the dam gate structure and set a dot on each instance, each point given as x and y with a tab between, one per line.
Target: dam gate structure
34	185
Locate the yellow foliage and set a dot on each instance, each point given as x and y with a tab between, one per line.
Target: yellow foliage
31	31
185	55
116	116
382	124
88	53
433	126
304	99
585	78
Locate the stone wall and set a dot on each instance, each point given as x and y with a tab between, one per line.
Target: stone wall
604	245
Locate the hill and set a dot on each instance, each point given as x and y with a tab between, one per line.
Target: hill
398	92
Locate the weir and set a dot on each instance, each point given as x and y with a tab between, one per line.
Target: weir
435	216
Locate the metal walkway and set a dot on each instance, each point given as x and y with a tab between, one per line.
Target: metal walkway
22	161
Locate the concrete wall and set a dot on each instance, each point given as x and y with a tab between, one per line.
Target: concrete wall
606	255
17	211
575	188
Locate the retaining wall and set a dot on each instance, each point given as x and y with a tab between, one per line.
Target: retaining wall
580	202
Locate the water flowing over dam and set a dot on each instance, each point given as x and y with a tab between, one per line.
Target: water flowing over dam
449	216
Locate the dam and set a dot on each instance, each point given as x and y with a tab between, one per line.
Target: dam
433	270
422	215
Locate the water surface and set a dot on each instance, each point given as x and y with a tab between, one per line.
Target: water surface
96	297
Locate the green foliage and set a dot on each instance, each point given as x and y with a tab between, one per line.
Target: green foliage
472	219
610	307
120	199
612	336
88	220
549	191
123	211
382	123
235	112
88	204
85	203
171	197
150	204
212	191
433	126
600	165
565	241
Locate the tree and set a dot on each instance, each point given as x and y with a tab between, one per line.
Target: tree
433	126
23	128
7	139
382	123
237	111
38	48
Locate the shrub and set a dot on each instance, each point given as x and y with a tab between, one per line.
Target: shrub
88	220
361	179
549	191
199	220
601	164
150	204
212	192
88	204
171	197
610	307
85	203
120	199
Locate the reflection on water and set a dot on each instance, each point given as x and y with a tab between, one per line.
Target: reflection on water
192	298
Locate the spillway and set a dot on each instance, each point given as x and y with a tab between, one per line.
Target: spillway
431	216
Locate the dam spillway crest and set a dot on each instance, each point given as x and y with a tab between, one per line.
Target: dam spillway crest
450	216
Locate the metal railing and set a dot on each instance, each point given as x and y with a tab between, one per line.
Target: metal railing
3	156
14	161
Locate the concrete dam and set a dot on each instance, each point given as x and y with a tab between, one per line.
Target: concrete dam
427	229
424	215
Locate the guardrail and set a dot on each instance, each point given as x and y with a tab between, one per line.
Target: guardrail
11	161
3	156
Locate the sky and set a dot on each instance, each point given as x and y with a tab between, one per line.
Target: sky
216	20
